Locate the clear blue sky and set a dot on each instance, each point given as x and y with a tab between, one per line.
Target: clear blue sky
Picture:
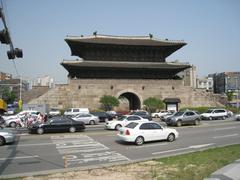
211	29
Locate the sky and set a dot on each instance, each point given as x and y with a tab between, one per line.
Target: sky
211	29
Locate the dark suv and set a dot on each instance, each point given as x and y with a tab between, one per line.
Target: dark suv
184	117
143	114
103	116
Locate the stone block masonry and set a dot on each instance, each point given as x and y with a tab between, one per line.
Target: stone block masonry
87	92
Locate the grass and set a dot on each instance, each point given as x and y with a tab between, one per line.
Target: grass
197	165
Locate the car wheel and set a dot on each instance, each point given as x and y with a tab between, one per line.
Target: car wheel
40	131
156	116
197	122
210	118
2	141
117	127
92	122
223	117
13	124
179	123
72	129
139	141
171	137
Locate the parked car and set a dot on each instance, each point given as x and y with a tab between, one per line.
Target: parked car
57	124
2	122
184	117
13	122
123	121
54	112
143	114
237	117
75	111
215	114
103	116
170	114
21	114
6	136
140	132
159	114
86	118
11	109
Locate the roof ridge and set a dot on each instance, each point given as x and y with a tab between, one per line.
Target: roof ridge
150	37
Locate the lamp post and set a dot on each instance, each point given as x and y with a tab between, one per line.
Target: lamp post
237	92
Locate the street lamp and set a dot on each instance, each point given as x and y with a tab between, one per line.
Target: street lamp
237	92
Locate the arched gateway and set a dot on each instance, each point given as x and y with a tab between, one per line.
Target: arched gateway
133	100
113	64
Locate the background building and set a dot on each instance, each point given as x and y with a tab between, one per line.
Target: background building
205	83
189	76
5	76
228	82
44	81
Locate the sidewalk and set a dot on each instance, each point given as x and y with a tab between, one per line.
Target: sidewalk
229	172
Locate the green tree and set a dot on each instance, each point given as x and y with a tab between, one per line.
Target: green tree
8	95
153	104
230	96
108	102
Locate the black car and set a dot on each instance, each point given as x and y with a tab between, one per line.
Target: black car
57	124
143	114
103	116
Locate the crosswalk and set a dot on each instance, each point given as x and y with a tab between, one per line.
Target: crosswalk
82	150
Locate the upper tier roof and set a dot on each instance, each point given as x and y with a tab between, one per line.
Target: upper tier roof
122	48
125	40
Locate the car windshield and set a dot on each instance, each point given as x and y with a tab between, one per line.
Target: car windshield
132	125
179	113
121	118
209	111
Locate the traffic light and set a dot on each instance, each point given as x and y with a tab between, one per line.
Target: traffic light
18	53
15	53
5	37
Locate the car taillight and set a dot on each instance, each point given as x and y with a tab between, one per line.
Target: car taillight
127	132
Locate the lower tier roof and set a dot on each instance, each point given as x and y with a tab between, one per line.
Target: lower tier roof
123	70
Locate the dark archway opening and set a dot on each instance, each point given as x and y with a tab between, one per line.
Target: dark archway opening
133	100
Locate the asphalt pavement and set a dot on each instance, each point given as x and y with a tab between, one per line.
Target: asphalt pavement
96	147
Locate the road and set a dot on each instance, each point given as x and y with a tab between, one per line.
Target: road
98	147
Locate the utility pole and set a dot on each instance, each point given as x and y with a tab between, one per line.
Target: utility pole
237	92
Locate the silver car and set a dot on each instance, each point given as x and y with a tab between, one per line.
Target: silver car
86	118
184	117
6	136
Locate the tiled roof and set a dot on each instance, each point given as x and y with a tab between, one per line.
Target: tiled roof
123	64
124	40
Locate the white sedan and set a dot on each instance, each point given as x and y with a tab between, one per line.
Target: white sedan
86	118
140	132
159	114
123	121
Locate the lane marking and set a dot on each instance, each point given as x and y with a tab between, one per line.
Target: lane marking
173	150
225	136
39	144
186	148
20	157
146	146
226	128
78	150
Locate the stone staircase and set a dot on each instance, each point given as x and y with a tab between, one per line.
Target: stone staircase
34	93
55	97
